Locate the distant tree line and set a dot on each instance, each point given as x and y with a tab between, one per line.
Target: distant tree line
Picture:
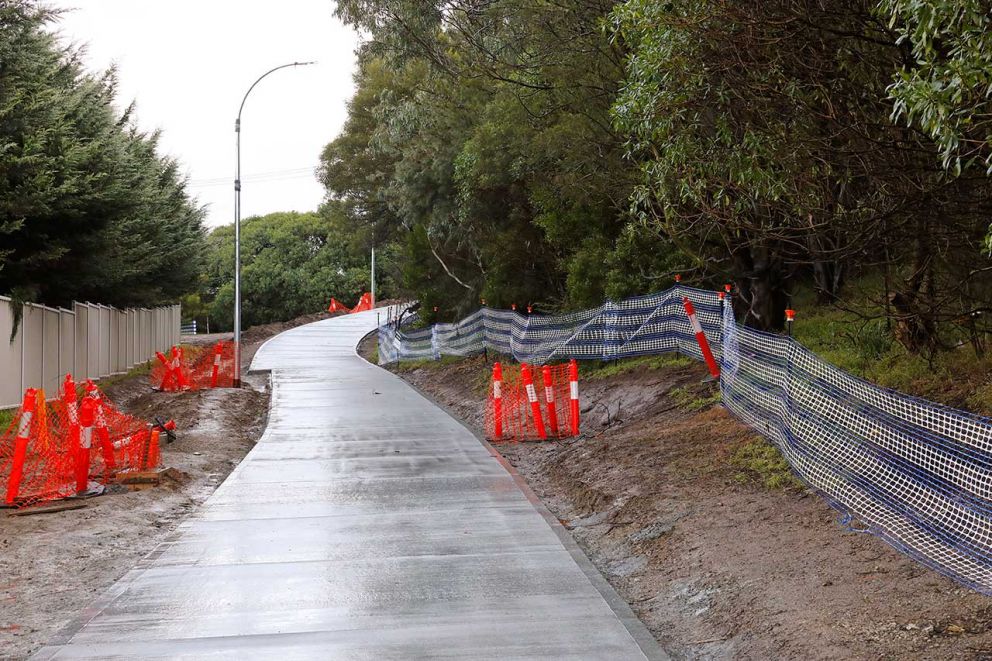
292	264
89	210
557	152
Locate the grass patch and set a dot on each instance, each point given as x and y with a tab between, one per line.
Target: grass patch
691	401
6	417
426	363
604	370
141	369
759	461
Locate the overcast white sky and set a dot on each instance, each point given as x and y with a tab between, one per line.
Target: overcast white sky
187	64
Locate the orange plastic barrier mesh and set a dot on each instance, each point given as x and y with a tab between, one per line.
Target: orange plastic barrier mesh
510	407
364	303
337	306
195	368
54	449
214	367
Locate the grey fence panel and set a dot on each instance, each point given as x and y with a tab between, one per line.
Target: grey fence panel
51	356
10	356
90	341
67	342
93	341
106	339
32	339
133	357
120	350
81	326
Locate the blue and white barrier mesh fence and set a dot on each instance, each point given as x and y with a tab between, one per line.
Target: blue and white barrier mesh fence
915	473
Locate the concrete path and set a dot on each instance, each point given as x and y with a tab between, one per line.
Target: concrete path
365	524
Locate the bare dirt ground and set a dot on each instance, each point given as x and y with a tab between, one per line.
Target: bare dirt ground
716	563
53	565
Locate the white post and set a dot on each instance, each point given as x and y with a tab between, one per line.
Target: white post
373	276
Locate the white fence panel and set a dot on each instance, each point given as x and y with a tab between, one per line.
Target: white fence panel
90	341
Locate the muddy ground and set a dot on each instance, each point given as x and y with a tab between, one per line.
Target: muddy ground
53	565
667	496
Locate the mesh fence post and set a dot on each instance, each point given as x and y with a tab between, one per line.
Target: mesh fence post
704	344
535	406
497	401
102	432
573	393
217	352
549	396
87	419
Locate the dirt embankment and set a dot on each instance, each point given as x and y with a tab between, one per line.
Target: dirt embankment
53	565
717	549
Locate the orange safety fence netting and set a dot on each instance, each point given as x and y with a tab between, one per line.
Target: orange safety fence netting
511	415
214	368
56	449
195	368
364	303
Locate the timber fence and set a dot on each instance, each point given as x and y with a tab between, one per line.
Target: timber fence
915	473
88	341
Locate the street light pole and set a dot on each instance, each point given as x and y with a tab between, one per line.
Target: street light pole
237	225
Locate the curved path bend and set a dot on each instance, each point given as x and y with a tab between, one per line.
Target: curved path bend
365	524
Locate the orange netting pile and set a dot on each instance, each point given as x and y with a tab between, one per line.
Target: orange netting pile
53	450
512	415
195	368
364	303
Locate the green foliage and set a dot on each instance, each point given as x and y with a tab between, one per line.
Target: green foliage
558	153
760	461
479	139
944	86
292	264
88	209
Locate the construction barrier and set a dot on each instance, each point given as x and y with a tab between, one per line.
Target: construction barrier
637	326
532	404
337	306
195	368
364	304
62	448
915	473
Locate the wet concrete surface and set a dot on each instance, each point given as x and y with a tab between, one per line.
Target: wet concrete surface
365	524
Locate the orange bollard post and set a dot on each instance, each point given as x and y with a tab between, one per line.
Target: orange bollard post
87	419
704	344
71	404
100	424
573	395
167	376
217	352
28	408
177	368
535	406
497	402
790	316
549	397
